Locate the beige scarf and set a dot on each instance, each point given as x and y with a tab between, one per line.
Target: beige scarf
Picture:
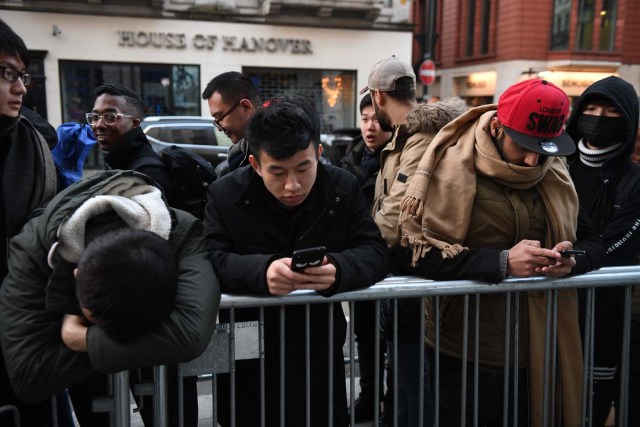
436	210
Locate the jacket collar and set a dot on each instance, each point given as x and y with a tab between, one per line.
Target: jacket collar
254	191
120	155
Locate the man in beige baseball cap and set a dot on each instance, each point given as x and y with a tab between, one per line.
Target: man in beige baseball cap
385	76
392	84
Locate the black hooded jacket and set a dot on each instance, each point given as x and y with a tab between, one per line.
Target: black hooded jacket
614	206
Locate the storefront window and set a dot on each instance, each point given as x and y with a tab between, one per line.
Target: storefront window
584	38
333	91
471	25
608	24
486	26
560	27
166	90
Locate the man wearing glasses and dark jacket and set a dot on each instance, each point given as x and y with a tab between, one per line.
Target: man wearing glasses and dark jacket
115	121
232	99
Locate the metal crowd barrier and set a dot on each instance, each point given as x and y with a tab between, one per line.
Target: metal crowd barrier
244	340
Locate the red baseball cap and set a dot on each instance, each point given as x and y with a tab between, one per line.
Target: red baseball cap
533	113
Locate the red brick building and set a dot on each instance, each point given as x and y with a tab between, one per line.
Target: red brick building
483	46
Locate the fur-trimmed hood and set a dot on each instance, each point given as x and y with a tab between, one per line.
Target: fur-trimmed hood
432	117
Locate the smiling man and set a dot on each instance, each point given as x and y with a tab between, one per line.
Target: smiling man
115	121
255	218
232	98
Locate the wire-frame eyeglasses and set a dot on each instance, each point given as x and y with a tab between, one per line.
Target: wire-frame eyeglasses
216	122
109	118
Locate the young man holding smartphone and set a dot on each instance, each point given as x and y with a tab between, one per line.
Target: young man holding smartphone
255	219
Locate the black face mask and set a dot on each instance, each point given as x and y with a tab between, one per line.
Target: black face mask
602	131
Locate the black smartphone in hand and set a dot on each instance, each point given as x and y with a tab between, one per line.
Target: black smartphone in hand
569	252
305	258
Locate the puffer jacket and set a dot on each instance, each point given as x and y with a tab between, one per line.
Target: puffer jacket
399	161
34	297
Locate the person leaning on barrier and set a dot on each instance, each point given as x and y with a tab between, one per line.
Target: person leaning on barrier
44	353
491	199
605	124
392	85
255	218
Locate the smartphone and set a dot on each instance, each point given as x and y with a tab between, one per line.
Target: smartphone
305	258
569	252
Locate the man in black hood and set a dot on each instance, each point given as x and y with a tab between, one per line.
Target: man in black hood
604	124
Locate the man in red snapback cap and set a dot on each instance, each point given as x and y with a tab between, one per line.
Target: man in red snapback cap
492	198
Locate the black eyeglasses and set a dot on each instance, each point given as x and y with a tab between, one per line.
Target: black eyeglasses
109	118
216	122
12	75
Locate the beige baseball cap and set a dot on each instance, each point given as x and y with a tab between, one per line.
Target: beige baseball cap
383	75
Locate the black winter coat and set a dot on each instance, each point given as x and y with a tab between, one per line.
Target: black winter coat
352	162
613	192
35	296
130	154
246	230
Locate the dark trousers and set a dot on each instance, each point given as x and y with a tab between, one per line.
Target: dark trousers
248	396
490	394
365	333
38	415
408	391
82	395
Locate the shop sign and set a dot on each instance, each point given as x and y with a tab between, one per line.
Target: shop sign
573	83
476	84
211	42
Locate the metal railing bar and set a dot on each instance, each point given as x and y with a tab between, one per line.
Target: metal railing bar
377	362
263	379
307	363
282	366
121	417
394	362
622	411
554	350
409	286
464	361
421	356
160	406
516	355
331	367
505	385
547	351
437	362
352	363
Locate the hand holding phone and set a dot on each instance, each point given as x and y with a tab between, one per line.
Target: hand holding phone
570	252
305	258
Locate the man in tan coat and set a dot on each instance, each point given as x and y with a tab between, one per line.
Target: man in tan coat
492	198
392	86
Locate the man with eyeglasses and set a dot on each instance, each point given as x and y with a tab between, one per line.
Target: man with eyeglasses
232	99
28	182
115	121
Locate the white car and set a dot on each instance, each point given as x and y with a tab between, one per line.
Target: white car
193	132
